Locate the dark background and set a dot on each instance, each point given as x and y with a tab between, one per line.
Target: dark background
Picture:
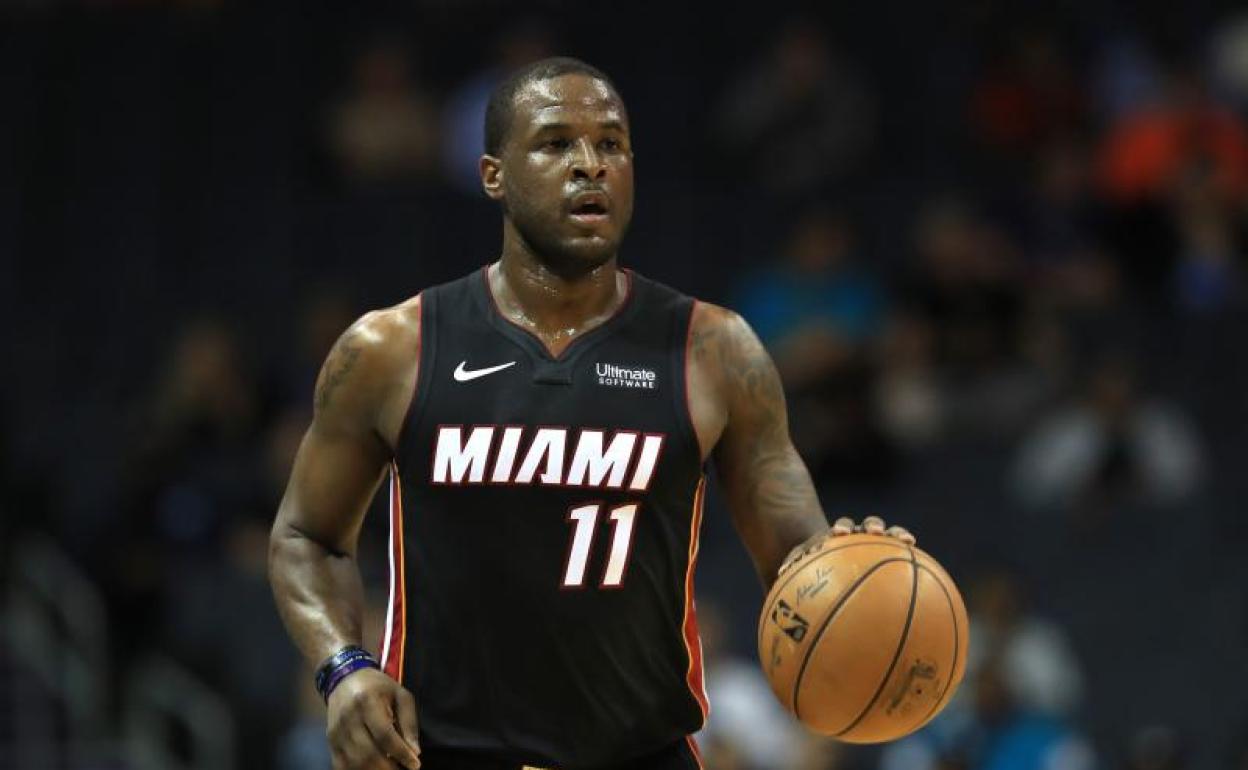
997	250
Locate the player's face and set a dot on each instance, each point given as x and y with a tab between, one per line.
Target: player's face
566	172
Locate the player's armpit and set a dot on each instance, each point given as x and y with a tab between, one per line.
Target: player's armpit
769	491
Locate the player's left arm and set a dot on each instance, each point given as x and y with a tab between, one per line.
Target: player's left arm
769	491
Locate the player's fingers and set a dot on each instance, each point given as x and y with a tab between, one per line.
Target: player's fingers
843	526
380	724
789	561
873	525
356	748
405	709
363	753
902	534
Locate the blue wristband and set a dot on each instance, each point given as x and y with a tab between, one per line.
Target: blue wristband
341	664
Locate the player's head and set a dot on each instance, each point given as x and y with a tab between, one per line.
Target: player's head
559	158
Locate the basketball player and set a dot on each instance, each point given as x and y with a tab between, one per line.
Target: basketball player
544	424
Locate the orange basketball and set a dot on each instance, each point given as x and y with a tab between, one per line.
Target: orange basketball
864	638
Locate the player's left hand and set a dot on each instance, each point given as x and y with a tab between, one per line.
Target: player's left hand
872	525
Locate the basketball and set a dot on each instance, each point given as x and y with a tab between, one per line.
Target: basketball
864	638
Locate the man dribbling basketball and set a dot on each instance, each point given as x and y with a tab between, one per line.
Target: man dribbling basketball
544	424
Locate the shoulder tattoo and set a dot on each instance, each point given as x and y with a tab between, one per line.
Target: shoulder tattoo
745	368
340	363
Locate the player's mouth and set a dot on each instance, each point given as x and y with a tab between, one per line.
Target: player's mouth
590	208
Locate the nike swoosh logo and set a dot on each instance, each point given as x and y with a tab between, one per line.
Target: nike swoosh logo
463	375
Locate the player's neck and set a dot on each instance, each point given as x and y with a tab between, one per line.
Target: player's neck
555	307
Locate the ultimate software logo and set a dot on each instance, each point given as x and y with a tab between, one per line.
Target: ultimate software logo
615	376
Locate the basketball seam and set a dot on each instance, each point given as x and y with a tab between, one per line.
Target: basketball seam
956	643
795	570
901	645
840	602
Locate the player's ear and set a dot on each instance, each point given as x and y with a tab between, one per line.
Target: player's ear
491	176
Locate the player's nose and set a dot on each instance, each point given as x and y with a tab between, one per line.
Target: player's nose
587	163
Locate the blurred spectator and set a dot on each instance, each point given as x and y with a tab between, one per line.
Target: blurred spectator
1029	95
1208	276
817	305
1126	78
797	119
220	621
747	726
1062	229
1148	149
965	284
1228	49
912	403
818	312
1037	663
193	461
190	468
251	670
1112	444
463	117
993	733
383	129
1060	218
964	299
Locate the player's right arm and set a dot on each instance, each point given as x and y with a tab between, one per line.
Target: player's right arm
362	395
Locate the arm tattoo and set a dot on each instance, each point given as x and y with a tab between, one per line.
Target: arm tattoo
342	359
780	480
768	485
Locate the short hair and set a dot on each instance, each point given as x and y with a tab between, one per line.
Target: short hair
501	108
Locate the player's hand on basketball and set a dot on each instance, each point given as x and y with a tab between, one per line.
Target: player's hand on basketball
872	525
372	724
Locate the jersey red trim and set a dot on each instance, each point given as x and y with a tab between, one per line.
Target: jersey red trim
415	394
697	753
695	676
693	311
394	642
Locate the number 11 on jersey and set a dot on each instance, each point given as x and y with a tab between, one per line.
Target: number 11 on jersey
585	521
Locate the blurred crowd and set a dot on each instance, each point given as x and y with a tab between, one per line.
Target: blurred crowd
1006	307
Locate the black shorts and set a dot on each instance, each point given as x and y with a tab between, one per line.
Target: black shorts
681	755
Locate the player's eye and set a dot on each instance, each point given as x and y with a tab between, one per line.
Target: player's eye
557	143
610	145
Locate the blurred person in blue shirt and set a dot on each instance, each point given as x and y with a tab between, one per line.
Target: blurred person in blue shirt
820	315
991	733
815	304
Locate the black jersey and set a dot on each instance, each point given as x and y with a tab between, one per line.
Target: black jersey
545	515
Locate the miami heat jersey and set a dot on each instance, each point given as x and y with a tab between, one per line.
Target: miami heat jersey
544	527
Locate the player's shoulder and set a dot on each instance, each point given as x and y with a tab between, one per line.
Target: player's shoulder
388	332
387	325
371	354
716	325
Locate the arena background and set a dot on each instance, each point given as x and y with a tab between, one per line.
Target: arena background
997	250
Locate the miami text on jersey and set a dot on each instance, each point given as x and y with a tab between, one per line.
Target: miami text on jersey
488	454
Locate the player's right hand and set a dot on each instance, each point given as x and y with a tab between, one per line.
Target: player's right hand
372	724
